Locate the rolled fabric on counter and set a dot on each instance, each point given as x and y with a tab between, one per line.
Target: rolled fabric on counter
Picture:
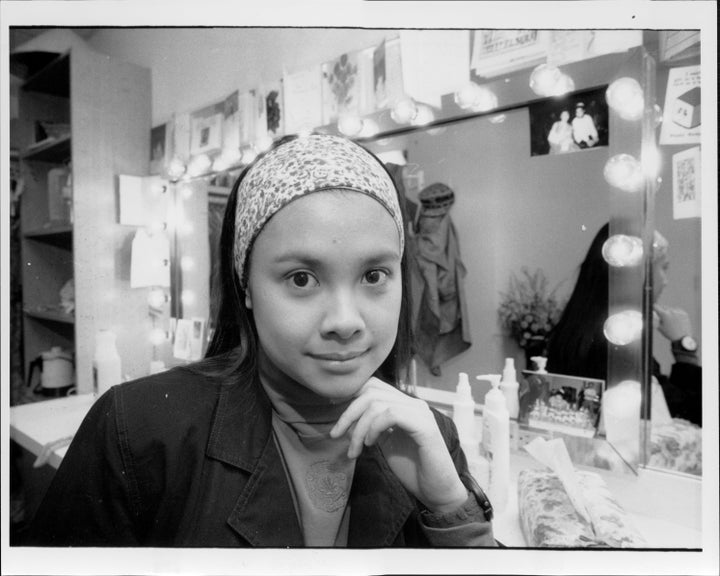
549	520
676	445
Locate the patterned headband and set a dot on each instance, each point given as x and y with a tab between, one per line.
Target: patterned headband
302	166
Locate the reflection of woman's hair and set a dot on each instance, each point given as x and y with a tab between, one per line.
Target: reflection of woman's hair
577	344
235	326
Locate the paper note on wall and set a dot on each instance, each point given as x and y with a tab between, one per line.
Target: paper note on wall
686	184
681	114
303	99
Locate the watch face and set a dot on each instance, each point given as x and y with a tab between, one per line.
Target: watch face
688	342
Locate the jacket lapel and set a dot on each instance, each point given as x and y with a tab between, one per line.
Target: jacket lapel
379	504
264	513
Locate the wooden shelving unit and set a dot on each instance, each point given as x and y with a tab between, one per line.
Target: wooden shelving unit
105	105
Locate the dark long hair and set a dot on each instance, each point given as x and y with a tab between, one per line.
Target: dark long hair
578	346
234	324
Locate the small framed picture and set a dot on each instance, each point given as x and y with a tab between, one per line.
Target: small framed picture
206	127
572	123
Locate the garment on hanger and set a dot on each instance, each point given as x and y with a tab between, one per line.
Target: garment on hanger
440	318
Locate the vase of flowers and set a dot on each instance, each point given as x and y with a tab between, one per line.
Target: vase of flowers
529	311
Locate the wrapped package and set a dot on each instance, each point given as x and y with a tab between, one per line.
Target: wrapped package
549	519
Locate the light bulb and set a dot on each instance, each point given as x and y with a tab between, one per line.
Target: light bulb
157	297
622	251
188	297
625	96
176	168
370	128
623	327
248	156
467	96
563	86
404	110
187	263
350	125
199	165
624	172
265	143
424	116
544	79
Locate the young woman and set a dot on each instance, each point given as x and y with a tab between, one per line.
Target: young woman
291	432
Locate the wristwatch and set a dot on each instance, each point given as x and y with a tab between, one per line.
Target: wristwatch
686	343
474	488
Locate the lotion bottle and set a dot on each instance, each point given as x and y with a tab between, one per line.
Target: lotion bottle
106	362
496	441
509	387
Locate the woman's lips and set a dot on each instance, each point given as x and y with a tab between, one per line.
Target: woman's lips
339	356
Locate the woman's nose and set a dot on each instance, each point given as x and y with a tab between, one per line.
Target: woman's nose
343	318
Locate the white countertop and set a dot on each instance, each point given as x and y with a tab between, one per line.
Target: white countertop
675	523
35	425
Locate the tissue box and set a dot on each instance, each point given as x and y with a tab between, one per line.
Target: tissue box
548	518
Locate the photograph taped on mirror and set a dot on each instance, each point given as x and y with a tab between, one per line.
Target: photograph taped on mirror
561	403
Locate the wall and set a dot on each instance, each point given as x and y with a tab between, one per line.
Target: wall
199	66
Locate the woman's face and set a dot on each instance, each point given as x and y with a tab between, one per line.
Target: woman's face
564	115
325	289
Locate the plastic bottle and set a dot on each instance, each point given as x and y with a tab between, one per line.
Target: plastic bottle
509	387
496	441
464	411
106	362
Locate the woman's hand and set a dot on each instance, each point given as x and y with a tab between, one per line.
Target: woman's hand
406	431
674	323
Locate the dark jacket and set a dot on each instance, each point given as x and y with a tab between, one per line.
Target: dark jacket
187	459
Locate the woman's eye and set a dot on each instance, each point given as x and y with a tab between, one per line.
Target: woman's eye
302	280
375	277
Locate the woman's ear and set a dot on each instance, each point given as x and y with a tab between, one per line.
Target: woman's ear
248	298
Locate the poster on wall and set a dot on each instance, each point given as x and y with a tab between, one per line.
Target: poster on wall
340	87
495	52
159	148
681	117
206	129
572	123
302	93
686	184
272	96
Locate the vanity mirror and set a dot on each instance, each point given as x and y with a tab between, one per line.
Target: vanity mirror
513	209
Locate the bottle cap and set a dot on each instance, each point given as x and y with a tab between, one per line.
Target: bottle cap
463	385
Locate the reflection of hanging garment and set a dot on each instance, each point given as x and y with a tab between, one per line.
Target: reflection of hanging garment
440	319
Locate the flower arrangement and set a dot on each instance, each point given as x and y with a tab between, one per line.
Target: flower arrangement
527	310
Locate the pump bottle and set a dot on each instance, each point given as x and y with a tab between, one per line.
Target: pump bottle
509	387
464	411
496	441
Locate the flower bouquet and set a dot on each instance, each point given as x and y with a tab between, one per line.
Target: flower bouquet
528	311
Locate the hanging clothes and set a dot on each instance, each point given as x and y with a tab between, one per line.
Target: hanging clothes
440	316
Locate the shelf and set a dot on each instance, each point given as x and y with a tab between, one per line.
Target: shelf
53	79
59	235
51	316
49	150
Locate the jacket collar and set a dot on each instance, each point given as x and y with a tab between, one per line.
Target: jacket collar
241	437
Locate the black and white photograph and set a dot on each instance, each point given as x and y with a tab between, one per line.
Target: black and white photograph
569	123
455	313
